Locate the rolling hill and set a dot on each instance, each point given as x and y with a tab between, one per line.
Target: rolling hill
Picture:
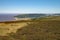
47	28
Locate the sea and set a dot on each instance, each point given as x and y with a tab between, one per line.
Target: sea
10	17
7	17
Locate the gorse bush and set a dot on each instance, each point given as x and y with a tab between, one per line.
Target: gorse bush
42	30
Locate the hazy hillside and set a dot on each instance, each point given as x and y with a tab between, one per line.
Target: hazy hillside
30	15
35	15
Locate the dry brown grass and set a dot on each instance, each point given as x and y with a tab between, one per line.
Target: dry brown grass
8	27
43	29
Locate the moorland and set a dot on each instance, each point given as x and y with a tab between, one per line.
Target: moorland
47	28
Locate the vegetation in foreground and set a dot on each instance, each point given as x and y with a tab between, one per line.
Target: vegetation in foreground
36	30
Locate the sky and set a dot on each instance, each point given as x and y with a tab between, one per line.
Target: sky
29	6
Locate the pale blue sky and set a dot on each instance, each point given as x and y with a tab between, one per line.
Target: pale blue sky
29	6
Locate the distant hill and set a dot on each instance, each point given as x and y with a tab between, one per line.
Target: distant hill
35	15
30	15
